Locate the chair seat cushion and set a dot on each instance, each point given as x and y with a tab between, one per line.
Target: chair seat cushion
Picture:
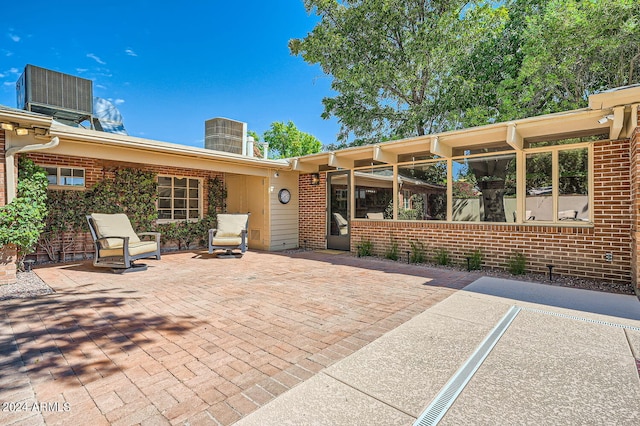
114	225
135	248
226	241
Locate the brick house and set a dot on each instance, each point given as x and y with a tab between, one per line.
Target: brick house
562	189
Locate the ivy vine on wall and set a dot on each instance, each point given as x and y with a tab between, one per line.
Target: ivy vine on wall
130	191
22	220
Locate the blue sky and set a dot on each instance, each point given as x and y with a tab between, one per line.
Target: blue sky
170	68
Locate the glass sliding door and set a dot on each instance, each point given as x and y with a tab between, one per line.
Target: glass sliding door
339	210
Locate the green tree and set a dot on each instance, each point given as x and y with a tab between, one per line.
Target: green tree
405	68
285	141
392	62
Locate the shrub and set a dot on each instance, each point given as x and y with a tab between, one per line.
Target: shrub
517	264
365	248
23	219
475	260
392	252
442	257
417	252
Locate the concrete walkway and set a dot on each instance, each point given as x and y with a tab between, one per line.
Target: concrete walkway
568	357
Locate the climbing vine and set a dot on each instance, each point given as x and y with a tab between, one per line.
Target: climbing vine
22	220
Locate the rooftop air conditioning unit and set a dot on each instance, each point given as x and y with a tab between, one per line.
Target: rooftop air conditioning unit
223	134
66	98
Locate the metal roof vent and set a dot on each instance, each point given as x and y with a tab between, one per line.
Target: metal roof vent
223	134
66	98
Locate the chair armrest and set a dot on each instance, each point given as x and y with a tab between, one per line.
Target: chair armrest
212	232
156	235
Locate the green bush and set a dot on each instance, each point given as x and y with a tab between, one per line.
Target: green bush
23	219
442	257
392	252
517	264
365	248
417	252
475	260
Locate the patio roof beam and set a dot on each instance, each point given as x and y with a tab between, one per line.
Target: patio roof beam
339	162
383	156
514	139
299	166
440	148
617	123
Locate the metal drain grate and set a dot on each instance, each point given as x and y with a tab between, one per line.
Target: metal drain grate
443	401
589	320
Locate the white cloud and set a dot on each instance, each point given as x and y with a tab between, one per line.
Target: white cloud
118	101
14	70
9	83
81	70
100	86
95	58
14	37
130	52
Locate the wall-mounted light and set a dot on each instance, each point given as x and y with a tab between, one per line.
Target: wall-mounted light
605	119
21	131
276	174
6	126
315	178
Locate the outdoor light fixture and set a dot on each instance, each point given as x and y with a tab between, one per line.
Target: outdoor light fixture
21	131
6	126
605	119
276	174
315	178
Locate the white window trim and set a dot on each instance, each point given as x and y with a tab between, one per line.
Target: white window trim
200	195
58	177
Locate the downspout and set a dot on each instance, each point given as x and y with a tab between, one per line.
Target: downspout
11	167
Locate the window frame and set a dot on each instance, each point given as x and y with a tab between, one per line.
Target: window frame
520	156
173	178
555	177
59	185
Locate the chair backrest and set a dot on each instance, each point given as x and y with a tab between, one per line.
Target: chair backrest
567	214
231	225
112	225
377	215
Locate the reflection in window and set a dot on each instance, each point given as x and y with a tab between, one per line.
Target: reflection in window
64	176
422	191
374	193
573	184
178	198
539	183
484	189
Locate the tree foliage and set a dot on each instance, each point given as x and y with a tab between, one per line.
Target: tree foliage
286	141
405	67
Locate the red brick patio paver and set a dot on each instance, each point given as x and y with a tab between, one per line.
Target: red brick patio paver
194	338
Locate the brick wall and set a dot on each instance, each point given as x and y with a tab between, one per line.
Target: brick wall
575	251
312	214
634	152
97	170
3	180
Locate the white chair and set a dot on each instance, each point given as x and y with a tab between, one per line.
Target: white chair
117	245
230	233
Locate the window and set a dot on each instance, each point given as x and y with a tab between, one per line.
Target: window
423	191
178	198
65	176
374	193
484	188
557	185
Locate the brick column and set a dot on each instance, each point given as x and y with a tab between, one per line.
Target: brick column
8	253
635	208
